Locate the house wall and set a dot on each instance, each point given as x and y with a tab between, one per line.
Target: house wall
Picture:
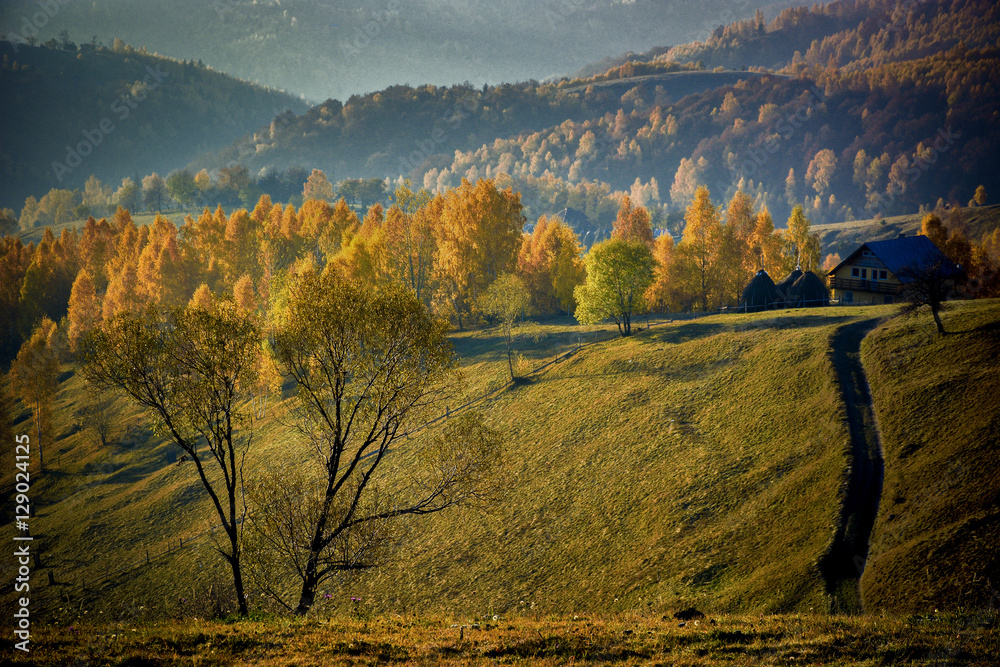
857	272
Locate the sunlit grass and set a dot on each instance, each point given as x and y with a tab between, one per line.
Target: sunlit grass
699	462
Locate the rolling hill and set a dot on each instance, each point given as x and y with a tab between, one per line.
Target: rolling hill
338	49
708	469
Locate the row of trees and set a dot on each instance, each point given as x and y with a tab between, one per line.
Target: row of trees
717	256
231	186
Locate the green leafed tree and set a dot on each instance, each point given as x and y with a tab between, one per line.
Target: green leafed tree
618	275
181	186
154	192
506	300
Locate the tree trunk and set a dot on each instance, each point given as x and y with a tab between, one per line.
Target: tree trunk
937	320
309	584
241	597
510	363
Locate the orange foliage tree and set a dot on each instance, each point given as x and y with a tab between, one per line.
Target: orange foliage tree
551	263
477	238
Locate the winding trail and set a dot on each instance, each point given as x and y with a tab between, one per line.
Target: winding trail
843	565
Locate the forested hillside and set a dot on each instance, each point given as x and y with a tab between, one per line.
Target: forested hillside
854	110
338	49
70	111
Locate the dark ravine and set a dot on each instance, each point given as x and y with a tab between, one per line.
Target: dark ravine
843	564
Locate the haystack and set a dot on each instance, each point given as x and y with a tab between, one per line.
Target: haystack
786	283
759	294
808	291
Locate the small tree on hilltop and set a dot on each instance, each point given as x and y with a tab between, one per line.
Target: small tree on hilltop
618	275
929	285
980	196
506	300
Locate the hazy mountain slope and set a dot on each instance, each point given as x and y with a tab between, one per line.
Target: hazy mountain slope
65	115
905	119
335	49
905	123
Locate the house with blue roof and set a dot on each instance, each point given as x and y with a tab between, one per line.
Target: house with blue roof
878	270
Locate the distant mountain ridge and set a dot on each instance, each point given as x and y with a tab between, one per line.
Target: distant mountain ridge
67	114
864	110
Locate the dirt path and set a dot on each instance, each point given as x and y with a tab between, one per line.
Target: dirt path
843	565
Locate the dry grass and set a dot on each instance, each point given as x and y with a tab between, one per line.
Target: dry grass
624	639
699	462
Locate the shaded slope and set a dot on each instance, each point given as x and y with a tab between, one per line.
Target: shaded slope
938	402
120	113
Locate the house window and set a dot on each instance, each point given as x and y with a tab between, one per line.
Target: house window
848	297
855	272
866	253
883	275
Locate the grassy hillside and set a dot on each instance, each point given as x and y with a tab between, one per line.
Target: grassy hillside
699	462
938	405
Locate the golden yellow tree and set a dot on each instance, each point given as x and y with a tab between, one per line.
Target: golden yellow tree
84	308
34	378
551	263
243	295
632	223
766	246
800	243
409	240
477	239
662	294
697	252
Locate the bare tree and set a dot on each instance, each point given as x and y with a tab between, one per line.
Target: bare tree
368	366
929	285
195	372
